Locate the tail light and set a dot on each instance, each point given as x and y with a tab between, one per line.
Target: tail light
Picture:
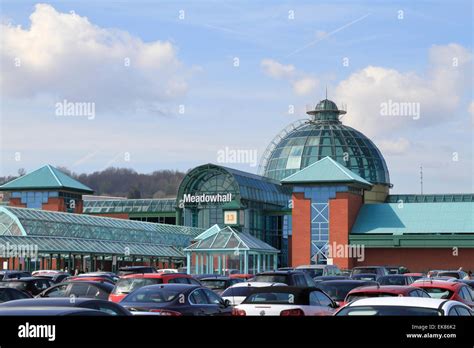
238	312
166	312
296	312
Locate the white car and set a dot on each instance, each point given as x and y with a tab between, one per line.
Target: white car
286	301
405	306
167	270
238	292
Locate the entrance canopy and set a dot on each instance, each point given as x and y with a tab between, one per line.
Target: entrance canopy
229	250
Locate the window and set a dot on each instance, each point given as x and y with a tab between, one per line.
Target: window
452	312
58	291
198	297
322	299
79	289
465	293
462	311
300	280
4	295
193	281
178	281
212	297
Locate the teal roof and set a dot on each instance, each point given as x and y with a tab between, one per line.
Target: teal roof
46	177
415	218
227	239
110	206
92	234
325	170
430	198
209	232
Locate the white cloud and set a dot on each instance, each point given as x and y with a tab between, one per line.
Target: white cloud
65	56
470	109
305	85
437	92
301	82
394	147
277	70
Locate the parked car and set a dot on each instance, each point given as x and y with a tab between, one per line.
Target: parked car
99	290
320	270
167	270
49	311
99	305
123	271
219	283
323	278
10	294
54	276
177	300
447	290
365	276
94	277
242	276
378	270
238	292
384	291
395	269
405	306
465	281
338	289
286	301
31	285
291	278
454	274
132	282
7	274
395	279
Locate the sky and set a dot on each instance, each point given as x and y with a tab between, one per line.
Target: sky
172	84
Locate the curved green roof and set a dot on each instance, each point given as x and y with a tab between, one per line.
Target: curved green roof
82	230
46	177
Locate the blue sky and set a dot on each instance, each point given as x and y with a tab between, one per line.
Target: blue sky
240	107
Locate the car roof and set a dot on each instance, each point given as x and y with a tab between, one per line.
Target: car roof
256	284
215	278
44	310
279	272
49	301
396	289
24	279
437	284
285	289
347	281
312	266
180	287
103	285
155	275
358	267
425	302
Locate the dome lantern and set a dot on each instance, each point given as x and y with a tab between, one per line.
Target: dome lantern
326	111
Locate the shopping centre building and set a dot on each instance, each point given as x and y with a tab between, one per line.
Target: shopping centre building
322	196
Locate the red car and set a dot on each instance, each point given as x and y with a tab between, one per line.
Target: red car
384	291
447	290
131	282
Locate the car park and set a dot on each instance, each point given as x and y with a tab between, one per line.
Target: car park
50	311
448	290
31	285
238	292
286	301
176	300
100	305
404	306
123	271
378	270
10	294
99	290
291	278
219	283
131	282
395	279
384	291
338	289
320	270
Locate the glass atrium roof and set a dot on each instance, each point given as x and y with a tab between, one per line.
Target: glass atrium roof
167	205
325	135
95	233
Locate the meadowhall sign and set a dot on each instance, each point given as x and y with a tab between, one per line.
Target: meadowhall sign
204	198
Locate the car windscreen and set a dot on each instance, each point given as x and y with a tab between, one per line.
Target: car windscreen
338	292
242	291
313	272
361	295
271	278
153	295
214	284
364	270
270	297
392	281
439	293
127	285
389	310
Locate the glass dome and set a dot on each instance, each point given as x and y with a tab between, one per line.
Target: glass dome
325	135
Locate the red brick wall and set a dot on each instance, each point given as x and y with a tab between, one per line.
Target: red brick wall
54	204
16	202
419	259
343	212
301	234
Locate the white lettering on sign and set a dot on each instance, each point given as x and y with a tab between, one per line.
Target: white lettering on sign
37	331
204	198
